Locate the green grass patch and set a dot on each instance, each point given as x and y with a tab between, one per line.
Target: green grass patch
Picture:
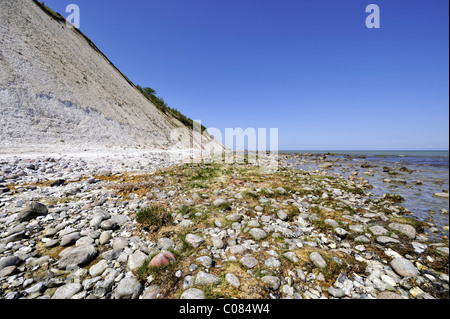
250	194
206	173
158	273
214	292
353	190
55	15
393	198
185	249
315	209
321	225
418	225
292	213
334	267
154	217
225	206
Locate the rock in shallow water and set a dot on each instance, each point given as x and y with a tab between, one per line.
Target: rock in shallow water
442	195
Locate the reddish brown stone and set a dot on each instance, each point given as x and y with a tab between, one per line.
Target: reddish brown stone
162	259
169	256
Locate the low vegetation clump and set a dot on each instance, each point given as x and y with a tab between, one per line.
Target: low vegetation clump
159	273
159	102
394	198
206	173
57	16
153	218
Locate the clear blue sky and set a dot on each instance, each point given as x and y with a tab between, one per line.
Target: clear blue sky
310	68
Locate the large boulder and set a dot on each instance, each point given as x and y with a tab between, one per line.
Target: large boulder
78	256
404	268
405	229
128	288
318	260
162	259
194	240
9	261
136	260
67	291
32	211
193	293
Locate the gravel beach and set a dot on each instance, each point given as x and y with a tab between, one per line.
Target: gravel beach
155	226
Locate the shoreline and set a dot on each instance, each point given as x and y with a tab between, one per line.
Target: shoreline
233	233
416	180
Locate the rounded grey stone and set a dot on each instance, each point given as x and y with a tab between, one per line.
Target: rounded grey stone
386	240
233	280
258	233
220	201
205	261
194	240
165	243
70	239
405	229
273	262
282	215
98	268
9	261
109	225
193	293
234	218
404	268
217	242
128	288
105	237
336	292
291	256
204	278
136	260
32	211
67	291
78	256
273	282
249	262
378	230
120	243
318	260
341	232
332	223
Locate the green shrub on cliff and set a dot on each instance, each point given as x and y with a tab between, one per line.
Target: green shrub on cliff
159	102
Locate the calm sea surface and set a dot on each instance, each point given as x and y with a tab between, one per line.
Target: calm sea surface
430	167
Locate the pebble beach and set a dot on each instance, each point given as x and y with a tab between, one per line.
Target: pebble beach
156	226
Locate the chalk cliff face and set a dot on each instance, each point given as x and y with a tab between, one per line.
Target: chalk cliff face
58	92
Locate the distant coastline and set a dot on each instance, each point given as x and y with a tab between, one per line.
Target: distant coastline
411	153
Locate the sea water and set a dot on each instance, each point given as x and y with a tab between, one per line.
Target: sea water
429	167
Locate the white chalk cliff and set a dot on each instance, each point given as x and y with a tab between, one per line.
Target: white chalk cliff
58	92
